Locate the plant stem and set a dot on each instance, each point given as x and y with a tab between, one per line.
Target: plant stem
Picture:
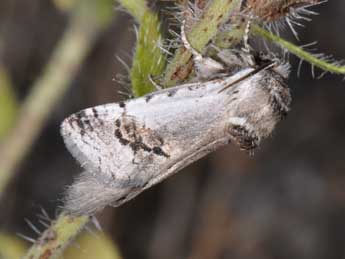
299	52
56	238
148	60
88	19
201	33
50	87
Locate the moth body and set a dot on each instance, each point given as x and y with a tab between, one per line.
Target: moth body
129	146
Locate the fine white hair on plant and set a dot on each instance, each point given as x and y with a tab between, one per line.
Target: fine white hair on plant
32	226
189	12
278	15
320	56
184	11
27	238
297	16
123	79
124	82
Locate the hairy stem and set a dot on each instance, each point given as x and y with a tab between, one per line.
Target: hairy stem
88	19
200	34
148	58
56	238
298	51
50	87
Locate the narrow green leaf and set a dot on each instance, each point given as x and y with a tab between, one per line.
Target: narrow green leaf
149	58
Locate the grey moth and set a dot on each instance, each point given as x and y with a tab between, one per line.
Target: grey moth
127	147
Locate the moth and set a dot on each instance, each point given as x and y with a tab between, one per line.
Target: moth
127	147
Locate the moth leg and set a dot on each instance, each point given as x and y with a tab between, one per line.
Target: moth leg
243	134
204	67
154	83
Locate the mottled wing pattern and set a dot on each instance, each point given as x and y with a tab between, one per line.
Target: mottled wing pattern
127	147
107	142
86	135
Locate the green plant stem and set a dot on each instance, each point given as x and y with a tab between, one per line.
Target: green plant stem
201	33
88	19
55	239
298	51
66	228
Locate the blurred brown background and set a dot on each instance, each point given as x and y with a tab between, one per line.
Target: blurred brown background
288	201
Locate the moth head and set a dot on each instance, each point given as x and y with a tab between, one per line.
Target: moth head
262	100
273	82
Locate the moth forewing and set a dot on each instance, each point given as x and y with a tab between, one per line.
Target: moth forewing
129	146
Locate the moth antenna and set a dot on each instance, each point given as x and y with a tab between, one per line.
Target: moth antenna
249	74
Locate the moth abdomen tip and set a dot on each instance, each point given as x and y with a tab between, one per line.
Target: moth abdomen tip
88	195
